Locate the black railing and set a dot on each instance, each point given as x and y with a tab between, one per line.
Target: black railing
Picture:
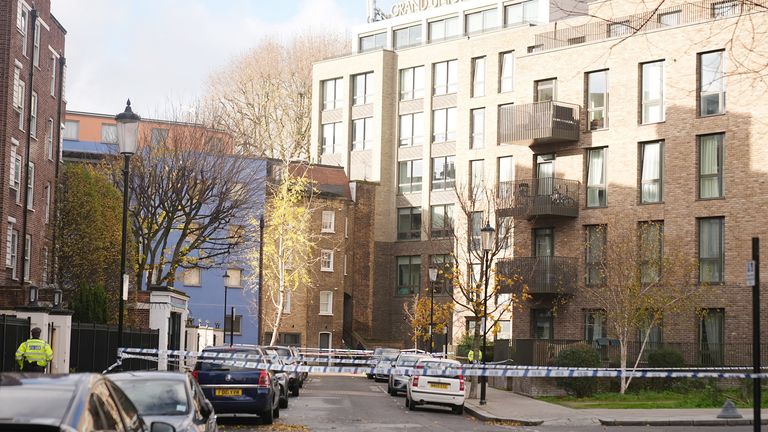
546	196
540	275
539	122
13	332
94	347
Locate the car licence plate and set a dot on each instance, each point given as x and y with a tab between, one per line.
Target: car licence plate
441	386
229	392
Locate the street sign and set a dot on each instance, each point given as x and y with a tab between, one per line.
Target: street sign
751	273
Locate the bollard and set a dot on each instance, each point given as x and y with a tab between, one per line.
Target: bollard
729	411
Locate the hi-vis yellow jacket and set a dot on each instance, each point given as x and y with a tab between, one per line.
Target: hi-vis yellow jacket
34	351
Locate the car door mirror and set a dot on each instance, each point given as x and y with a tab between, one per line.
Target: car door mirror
162	427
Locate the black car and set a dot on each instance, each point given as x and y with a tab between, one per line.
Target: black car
76	402
238	390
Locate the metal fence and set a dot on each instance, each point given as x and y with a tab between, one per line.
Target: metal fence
14	331
94	347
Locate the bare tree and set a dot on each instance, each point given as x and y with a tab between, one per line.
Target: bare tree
263	98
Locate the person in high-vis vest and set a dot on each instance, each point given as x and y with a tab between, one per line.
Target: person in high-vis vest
34	354
471	356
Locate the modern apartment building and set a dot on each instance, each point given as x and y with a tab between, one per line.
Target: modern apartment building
464	94
32	103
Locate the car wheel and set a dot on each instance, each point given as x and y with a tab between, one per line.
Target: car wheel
369	376
301	384
407	401
276	412
295	390
458	409
392	391
410	404
268	416
283	403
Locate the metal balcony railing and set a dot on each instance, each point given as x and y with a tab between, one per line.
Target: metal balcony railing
542	275
539	122
530	198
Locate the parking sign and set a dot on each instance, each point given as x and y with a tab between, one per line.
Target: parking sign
750	273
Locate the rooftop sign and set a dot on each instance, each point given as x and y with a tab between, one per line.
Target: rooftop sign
410	6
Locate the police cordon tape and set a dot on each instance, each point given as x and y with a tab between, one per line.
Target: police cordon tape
270	363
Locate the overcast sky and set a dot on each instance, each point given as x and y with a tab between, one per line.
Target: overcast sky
160	52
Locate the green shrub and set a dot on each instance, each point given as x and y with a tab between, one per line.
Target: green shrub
578	356
665	358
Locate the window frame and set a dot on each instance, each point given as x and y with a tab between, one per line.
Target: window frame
593	122
375	38
594	260
189	272
71	125
415	221
367	127
589	327
597	186
720	259
335	127
444	182
720	174
478	76
328	221
33	115
445	230
448	31
449	123
448	85
477	138
337	101
412	83
414	38
659	181
328	297
326	260
413	286
365	95
645	102
649	244
489	19
721	80
411	186
507	71
415	122
543	84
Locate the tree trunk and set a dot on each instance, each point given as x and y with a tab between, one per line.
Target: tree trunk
476	350
623	367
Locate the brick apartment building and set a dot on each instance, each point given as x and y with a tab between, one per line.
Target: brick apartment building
32	104
512	95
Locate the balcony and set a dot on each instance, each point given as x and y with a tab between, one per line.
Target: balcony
531	198
539	123
542	275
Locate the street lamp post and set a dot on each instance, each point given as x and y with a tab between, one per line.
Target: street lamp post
486	237
226	284
127	139
432	279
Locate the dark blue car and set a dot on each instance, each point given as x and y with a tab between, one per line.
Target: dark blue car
236	390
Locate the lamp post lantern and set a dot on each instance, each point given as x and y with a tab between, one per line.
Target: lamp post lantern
432	279
226	284
127	142
486	238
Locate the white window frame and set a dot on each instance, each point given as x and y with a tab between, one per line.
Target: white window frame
332	94
444	125
478	76
648	100
22	24
27	257
73	125
47	202
20	108
719	84
54	64
446	28
12	247
44	270
328	221
326	260
18	92
33	116
327	147
445	77
36	45
235	279
15	171
477	128
328	301
364	95
345	264
506	72
346	227
49	140
412	83
362	132
31	187
287	302
411	129
191	276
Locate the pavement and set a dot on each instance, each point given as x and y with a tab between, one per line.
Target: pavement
507	406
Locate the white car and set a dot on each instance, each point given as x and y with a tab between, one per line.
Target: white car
398	380
436	388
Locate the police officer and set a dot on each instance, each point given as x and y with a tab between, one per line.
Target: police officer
34	354
471	356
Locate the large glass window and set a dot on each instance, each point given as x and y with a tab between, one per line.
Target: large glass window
711	257
441	220
409	176
597	195
412	83
652	104
619	29
362	88
506	174
597	99
652	155
446	77
476	178
506	74
595	325
411	129
362	133
408	274
595	254
373	42
332	94
444	28
542	323
478	76
545	172
409	223
519	13
546	90
477	125
711	166
712	83
408	36
482	21
108	133
651	250
331	138
443	173
444	125
475	230
711	334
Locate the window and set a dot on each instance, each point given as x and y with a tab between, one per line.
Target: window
444	265
711	155
444	125
287	303
597	99
577	40
652	103
27	253
109	133
444	28
725	9
542	323
411	129
520	13
475	229
44	265
49	140
446	77
36	46
507	61
12	246
15	171
596	183
409	223
31	187
408	274
33	116
191	276
619	29
506	173
18	90
543	242
345	264
651	250
54	65
20	107
443	173
711	333
47	202
346	227
71	130
595	325
408	36
373	42
362	86
712	83
476	177
595	254
332	98
477	125
670	18
409	176
329	221
546	90
326	260
228	324
159	136
331	137
235	278
412	83
535	48
651	185
324	342
22	24
478	76
362	133
482	21
326	302
654	332
441	220
711	257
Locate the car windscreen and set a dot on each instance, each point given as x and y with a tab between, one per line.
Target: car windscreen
34	401
211	364
283	352
156	397
407	360
435	368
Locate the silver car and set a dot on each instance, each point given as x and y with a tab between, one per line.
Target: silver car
398	381
170	397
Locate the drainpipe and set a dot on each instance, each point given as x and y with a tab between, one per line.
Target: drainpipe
25	211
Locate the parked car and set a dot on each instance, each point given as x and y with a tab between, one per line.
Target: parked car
295	379
376	356
435	388
75	402
171	397
398	381
238	390
302	375
282	377
381	372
